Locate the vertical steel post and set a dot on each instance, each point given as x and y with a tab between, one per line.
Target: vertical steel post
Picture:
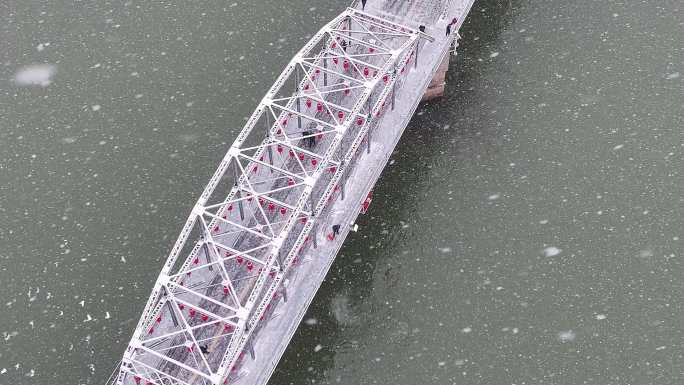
314	228
299	100
242	209
394	86
370	126
171	311
237	185
417	50
314	234
342	181
236	171
250	346
268	135
370	105
280	260
268	124
284	292
368	140
207	257
270	156
325	73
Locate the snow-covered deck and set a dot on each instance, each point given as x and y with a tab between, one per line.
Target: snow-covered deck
275	336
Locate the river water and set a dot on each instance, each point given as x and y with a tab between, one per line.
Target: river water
528	230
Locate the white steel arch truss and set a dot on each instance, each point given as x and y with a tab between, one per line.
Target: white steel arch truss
264	202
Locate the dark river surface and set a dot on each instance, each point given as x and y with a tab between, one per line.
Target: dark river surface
529	229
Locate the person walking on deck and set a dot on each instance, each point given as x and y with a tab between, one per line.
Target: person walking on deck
309	139
363	4
448	27
336	230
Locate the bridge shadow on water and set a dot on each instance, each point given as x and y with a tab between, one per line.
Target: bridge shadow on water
340	309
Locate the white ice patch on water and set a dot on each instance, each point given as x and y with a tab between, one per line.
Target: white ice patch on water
647	253
551	251
35	75
342	310
566	336
188	138
9	335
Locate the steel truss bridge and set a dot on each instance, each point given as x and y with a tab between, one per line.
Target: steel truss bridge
260	239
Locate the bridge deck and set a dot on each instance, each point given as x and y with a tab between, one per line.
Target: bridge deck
258	245
275	337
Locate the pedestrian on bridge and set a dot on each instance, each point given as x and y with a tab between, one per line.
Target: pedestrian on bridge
310	139
336	230
448	28
363	4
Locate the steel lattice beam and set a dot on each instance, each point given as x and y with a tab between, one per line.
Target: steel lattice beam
261	204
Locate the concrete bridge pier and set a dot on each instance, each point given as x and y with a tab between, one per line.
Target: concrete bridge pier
436	88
